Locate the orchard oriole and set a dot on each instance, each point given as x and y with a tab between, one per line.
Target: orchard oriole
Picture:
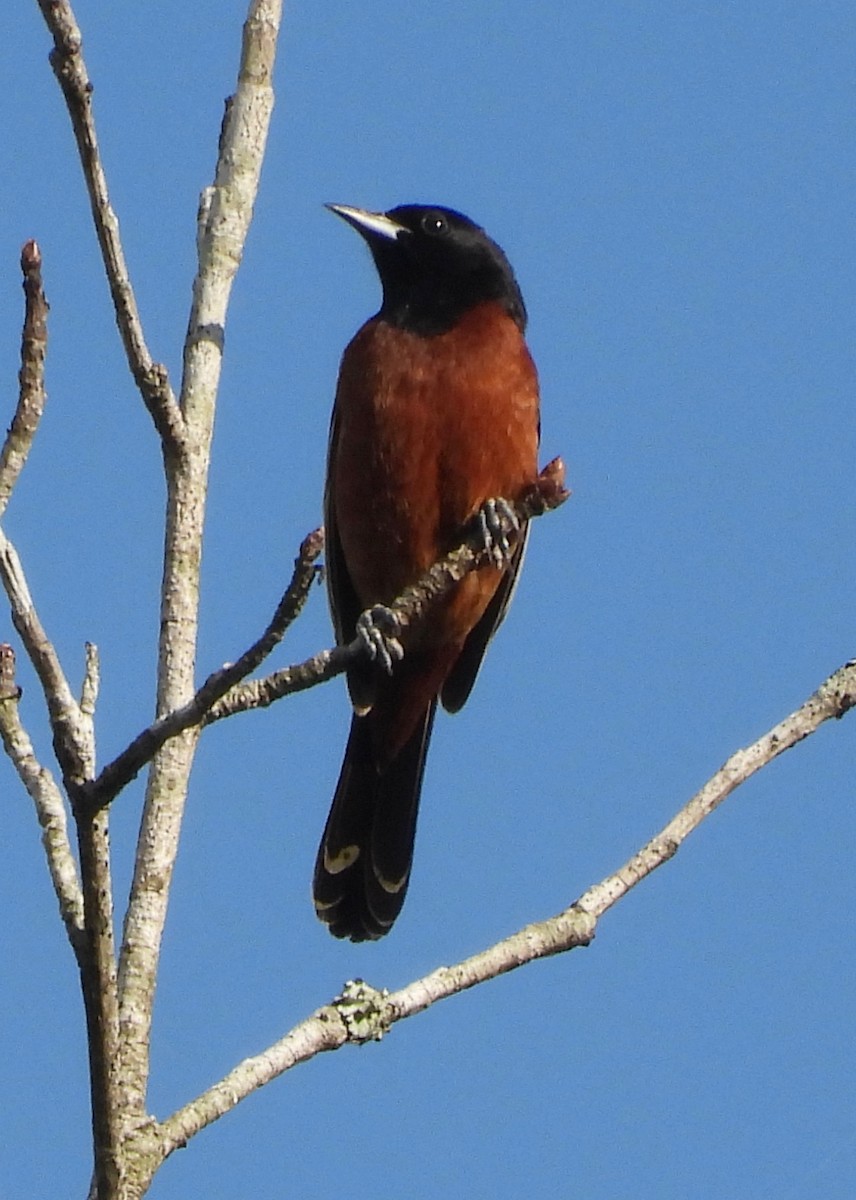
436	414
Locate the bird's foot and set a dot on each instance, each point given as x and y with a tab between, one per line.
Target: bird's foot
378	629
497	519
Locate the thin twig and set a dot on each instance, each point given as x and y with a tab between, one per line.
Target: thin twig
118	773
71	734
70	69
48	801
31	377
91	681
329	1027
547	493
835	697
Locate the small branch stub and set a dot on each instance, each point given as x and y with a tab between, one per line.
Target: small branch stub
31	376
9	690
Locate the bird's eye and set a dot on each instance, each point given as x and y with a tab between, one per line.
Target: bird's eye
434	224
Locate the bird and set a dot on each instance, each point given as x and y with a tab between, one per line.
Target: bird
436	415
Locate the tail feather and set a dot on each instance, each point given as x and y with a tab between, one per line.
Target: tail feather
363	864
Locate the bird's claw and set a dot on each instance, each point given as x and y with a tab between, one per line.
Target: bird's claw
378	629
497	518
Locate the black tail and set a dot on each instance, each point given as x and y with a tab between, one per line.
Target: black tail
363	864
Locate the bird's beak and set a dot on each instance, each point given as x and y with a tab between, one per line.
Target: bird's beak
369	224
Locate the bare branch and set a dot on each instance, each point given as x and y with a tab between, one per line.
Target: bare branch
330	1027
225	215
31	377
69	729
547	493
71	734
220	696
117	774
259	693
91	681
86	907
70	69
323	1031
226	209
100	999
835	697
47	799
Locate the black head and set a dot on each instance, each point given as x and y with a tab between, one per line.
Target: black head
434	265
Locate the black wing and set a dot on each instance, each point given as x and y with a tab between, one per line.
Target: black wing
460	680
345	606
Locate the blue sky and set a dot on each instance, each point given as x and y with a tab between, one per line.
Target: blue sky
674	185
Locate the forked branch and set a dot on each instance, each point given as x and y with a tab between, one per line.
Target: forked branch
118	773
71	728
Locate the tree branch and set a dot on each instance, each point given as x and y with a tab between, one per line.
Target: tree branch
72	733
117	774
335	1024
224	219
835	697
31	377
548	492
100	999
221	696
85	903
48	801
70	69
